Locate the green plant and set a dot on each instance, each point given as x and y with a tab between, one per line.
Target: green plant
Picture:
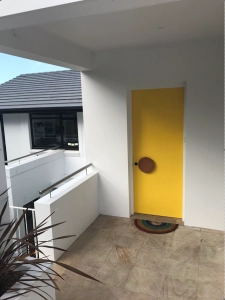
15	261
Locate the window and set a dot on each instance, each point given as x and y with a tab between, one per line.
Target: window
50	130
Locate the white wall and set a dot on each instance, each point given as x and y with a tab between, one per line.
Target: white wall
106	93
27	179
18	140
76	202
73	163
17	135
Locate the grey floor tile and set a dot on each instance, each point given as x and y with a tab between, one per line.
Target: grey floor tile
123	256
113	275
128	295
97	252
213	255
74	280
185	251
130	227
185	227
181	269
130	240
179	288
212	231
211	290
210	272
107	235
211	281
159	242
144	281
116	223
79	246
212	239
187	264
100	221
187	235
89	234
154	261
99	292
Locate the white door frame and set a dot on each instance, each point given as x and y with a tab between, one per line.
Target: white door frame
130	135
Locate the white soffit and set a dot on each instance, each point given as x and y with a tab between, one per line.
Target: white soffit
11	7
22	13
181	20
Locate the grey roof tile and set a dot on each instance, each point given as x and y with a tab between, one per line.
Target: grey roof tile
42	90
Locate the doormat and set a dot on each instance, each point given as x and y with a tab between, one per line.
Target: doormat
155	227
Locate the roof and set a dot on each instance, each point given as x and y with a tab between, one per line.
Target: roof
61	89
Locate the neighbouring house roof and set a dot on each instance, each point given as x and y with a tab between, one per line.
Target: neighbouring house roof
61	89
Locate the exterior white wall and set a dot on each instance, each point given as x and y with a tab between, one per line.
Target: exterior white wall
73	163
107	126
18	141
76	202
17	135
27	179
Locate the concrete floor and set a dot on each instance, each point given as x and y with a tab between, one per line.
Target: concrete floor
187	264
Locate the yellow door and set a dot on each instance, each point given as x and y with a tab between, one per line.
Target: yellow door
158	126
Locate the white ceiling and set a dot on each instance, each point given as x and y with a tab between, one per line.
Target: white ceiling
186	19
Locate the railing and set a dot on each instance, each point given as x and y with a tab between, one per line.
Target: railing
32	154
51	187
26	229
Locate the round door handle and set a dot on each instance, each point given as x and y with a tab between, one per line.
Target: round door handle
146	165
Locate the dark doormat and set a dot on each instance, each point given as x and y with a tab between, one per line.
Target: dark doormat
155	227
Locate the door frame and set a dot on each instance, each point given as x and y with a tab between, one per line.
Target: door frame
182	84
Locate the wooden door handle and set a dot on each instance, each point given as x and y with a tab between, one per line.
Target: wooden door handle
146	165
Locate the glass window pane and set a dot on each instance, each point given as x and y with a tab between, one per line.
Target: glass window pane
46	133
70	134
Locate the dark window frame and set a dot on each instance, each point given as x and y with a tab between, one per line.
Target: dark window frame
61	119
3	137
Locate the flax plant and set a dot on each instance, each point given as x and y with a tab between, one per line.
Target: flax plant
16	262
